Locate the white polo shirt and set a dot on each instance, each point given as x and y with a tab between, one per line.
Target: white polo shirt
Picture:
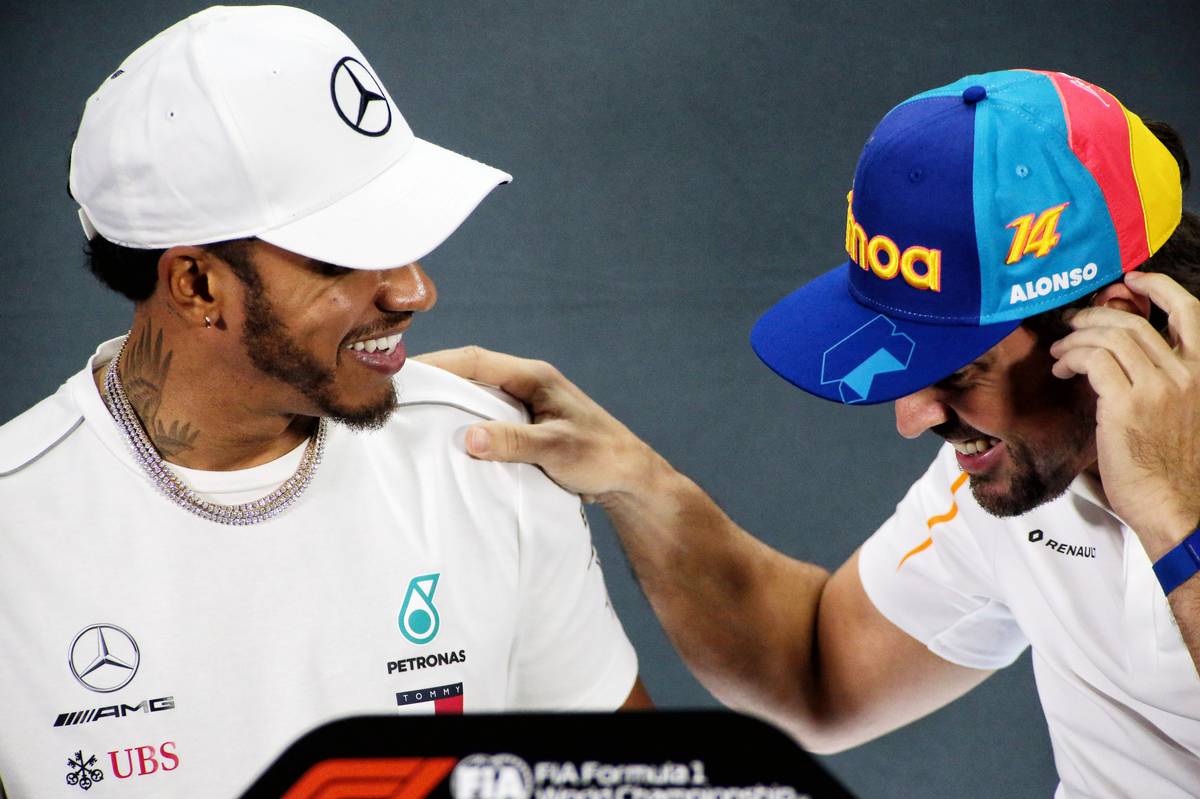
409	578
1120	692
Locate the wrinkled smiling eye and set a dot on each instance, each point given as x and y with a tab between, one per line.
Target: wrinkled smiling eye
957	381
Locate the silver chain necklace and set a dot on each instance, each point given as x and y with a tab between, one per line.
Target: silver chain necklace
166	480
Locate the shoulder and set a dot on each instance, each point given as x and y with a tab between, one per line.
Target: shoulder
37	431
421	385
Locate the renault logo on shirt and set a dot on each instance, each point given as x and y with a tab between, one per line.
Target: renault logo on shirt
104	658
419	620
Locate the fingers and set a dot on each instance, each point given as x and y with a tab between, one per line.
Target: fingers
509	443
1102	370
1139	349
1121	324
459	360
521	377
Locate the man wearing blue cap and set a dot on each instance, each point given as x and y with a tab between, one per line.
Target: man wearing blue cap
1016	246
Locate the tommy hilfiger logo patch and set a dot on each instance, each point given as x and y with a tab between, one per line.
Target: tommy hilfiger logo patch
1063	549
445	698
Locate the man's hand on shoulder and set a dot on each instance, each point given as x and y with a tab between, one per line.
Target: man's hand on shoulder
579	444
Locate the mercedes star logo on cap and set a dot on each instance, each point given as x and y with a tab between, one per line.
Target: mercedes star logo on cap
359	99
104	658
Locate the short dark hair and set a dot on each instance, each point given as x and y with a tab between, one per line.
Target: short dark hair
1178	258
133	272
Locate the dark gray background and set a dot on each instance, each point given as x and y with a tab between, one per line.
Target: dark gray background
679	167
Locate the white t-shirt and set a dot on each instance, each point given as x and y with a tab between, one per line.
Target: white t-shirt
1120	693
409	578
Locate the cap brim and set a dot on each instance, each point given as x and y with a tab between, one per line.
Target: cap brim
820	339
399	217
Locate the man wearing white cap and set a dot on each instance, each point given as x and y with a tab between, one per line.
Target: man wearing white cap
244	519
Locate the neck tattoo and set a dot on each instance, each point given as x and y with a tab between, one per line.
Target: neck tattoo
166	480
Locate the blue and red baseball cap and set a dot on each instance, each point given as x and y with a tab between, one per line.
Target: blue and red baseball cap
974	206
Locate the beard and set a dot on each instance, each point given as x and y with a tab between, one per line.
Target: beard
1036	474
274	354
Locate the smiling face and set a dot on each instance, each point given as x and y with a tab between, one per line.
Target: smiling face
1020	433
330	337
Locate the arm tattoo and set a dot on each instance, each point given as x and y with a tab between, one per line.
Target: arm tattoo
146	369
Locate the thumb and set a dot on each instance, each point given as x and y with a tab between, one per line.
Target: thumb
500	441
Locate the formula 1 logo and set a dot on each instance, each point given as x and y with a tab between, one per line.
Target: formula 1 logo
419	620
396	778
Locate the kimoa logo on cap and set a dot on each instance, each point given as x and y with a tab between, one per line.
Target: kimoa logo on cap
869	251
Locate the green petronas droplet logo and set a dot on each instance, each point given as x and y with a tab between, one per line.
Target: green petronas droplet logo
419	620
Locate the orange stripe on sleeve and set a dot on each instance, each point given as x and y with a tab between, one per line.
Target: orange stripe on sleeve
944	517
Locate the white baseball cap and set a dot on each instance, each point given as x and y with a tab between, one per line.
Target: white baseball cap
265	121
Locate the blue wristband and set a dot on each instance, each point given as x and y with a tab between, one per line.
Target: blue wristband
1175	567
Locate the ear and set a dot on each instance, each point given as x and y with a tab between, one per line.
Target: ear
195	284
1119	297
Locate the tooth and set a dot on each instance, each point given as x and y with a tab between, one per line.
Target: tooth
371	345
394	339
358	345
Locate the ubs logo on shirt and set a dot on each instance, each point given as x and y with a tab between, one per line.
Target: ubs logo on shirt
83	773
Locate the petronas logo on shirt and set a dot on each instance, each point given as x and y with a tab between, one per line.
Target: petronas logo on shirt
419	620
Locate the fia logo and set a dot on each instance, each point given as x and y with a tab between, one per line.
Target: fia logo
491	777
419	620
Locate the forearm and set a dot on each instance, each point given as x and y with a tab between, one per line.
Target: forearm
742	615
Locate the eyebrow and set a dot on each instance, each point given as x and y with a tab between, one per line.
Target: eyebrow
326	268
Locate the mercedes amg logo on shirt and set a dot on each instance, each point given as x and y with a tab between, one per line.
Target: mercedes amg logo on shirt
359	99
104	658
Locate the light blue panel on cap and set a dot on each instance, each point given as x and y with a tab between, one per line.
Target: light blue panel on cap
1024	165
988	80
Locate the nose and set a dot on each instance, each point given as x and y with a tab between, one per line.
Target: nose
920	411
406	288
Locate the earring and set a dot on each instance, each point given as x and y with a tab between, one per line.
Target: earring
207	322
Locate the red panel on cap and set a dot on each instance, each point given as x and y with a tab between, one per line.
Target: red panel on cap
1098	133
